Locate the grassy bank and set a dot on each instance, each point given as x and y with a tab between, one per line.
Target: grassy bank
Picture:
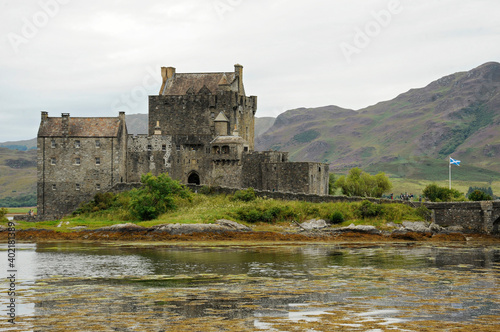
260	214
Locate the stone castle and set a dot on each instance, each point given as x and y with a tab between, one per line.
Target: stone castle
201	131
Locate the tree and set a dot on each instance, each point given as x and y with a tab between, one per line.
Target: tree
3	212
478	195
435	193
359	183
156	196
332	186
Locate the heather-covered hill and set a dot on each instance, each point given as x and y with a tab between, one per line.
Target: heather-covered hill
456	115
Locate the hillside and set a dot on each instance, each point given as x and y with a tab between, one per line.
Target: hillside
409	136
17	173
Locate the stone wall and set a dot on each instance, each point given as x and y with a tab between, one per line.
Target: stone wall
71	170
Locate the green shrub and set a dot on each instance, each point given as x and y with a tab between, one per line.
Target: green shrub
368	209
441	194
478	195
359	183
336	217
424	212
3	212
261	214
156	196
245	195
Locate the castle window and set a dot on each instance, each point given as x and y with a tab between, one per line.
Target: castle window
77	161
97	161
319	169
225	149
77	186
245	149
54	187
97	144
178	147
52	161
150	147
98	186
53	143
164	147
77	144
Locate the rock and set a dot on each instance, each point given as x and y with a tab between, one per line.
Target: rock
416	226
393	225
176	229
452	229
78	227
434	228
360	229
233	225
128	227
314	224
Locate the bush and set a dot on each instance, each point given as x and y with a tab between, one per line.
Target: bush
336	217
272	214
156	196
478	195
3	212
424	212
246	195
441	194
359	183
100	202
332	187
369	209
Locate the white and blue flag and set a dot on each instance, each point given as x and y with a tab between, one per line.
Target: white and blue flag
454	162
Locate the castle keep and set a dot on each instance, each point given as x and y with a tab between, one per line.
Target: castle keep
200	131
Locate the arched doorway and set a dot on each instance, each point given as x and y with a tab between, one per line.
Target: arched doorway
194	178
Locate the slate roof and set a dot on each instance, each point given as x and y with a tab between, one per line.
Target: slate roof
182	82
81	127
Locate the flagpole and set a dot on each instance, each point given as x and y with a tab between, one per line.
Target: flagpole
449	172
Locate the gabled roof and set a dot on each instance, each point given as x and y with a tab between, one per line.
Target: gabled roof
221	118
182	82
81	127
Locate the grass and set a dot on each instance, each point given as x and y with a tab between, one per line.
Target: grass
20	210
208	209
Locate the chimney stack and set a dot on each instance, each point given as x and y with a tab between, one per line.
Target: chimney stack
166	74
45	116
65	124
238	71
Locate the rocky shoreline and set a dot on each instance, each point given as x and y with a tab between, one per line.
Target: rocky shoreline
227	230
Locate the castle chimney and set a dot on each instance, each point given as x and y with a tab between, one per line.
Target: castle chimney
238	71
166	73
45	116
65	124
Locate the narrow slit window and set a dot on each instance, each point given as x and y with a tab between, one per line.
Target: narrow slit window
77	187
97	161
77	144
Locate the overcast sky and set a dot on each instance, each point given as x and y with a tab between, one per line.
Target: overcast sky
95	58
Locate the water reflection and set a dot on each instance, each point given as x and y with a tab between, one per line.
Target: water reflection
356	286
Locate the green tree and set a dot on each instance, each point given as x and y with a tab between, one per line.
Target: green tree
359	183
478	195
156	196
332	186
435	193
3	212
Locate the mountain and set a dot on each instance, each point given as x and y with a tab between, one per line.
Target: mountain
408	136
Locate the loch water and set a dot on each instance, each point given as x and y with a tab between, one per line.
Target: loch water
259	287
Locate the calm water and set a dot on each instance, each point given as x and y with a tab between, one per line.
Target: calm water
89	287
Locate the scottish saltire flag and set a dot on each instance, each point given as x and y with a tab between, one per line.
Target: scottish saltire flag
454	162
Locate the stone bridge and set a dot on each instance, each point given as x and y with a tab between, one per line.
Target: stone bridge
474	217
